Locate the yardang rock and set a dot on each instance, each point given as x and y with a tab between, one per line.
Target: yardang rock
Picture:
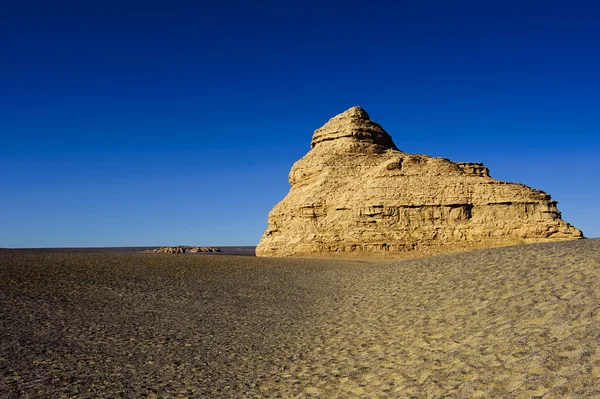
354	192
183	249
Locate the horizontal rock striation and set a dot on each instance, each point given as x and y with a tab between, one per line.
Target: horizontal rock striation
355	192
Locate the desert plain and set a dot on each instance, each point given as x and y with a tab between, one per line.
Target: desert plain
513	322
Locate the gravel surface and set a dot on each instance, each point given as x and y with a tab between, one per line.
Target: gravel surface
518	322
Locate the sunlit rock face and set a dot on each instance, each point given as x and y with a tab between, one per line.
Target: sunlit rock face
355	193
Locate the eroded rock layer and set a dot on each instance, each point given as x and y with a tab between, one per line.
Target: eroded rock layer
355	192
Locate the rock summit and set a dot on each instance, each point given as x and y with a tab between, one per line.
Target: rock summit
355	193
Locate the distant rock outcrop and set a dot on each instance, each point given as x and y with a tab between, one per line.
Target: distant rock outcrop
355	192
204	249
183	249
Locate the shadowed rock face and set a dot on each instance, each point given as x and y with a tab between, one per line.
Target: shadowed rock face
355	192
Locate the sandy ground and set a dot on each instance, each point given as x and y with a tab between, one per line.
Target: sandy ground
518	322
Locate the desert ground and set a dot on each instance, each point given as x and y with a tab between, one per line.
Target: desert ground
515	322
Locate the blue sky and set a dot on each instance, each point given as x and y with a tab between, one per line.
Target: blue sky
163	123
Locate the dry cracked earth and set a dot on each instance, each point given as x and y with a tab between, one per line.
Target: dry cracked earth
516	322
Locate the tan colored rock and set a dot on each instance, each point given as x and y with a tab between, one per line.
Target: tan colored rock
354	192
204	249
184	249
169	250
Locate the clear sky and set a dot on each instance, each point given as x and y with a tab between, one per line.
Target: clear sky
129	123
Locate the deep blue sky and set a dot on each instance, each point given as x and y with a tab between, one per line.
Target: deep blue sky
161	123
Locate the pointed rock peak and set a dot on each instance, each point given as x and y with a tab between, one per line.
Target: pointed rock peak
355	112
354	126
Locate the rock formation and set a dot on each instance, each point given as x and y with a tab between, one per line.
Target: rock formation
355	192
204	249
183	249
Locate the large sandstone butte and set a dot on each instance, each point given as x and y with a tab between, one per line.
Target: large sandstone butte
354	192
